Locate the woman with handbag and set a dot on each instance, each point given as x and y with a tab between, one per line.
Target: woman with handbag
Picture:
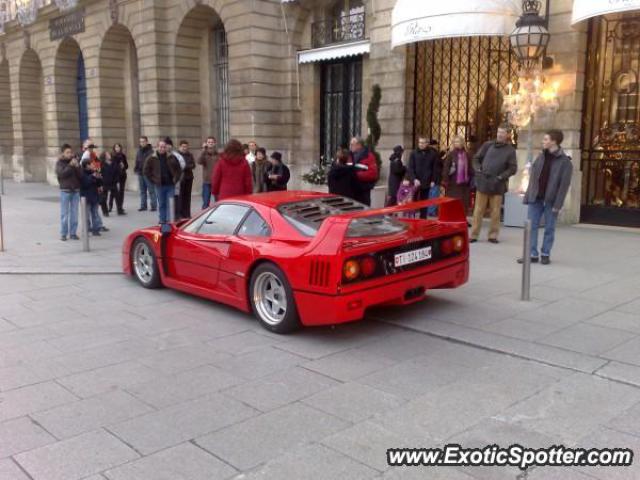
457	172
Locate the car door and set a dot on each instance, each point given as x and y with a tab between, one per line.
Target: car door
197	250
241	254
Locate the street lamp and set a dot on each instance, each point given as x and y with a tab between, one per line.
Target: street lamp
530	38
26	11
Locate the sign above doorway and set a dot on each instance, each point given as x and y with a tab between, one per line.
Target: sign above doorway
584	9
67	25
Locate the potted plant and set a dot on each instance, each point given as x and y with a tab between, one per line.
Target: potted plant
316	178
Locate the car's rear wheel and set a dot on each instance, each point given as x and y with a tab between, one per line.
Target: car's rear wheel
145	264
272	300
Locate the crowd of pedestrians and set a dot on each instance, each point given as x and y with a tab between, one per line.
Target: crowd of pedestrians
164	174
354	172
480	181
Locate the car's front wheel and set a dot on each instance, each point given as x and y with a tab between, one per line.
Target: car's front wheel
272	299
145	264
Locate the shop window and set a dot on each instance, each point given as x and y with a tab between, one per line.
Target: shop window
611	122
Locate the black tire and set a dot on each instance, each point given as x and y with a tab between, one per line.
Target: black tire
267	280
147	272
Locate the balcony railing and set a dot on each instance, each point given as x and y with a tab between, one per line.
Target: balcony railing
347	28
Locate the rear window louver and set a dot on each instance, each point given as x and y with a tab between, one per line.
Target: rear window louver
319	273
317	210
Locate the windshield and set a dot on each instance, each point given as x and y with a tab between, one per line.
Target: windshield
307	217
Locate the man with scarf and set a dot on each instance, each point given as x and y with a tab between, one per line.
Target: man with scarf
366	170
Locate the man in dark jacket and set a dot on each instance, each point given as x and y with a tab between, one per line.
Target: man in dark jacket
186	182
110	176
341	178
163	170
424	170
208	158
90	189
70	179
549	183
144	185
494	163
277	174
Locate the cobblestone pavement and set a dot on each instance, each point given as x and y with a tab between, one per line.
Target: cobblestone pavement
101	379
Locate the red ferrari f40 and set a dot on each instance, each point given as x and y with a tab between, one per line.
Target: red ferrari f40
304	258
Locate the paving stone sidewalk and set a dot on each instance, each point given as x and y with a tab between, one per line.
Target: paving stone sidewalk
101	379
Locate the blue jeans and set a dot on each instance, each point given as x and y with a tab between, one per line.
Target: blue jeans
69	213
146	186
95	222
428	194
206	195
165	192
537	210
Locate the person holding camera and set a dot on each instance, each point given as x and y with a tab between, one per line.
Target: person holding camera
69	176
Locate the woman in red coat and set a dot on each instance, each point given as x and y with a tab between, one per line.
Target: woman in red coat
232	175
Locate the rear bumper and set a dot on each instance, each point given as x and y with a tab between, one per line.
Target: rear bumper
318	309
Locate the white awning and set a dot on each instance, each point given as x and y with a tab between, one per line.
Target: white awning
334	51
415	21
584	9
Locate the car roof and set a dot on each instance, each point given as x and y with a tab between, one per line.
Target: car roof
275	199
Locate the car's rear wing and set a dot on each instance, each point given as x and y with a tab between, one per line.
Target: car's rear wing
333	231
449	210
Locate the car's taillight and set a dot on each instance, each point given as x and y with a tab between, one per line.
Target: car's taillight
458	243
368	266
446	246
360	268
351	270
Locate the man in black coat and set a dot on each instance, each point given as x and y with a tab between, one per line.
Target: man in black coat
277	174
186	182
424	170
144	185
341	178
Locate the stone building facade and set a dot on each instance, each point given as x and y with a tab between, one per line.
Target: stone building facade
293	75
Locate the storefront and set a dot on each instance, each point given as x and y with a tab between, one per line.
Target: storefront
462	63
611	113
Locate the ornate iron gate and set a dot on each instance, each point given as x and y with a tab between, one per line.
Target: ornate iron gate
611	123
459	87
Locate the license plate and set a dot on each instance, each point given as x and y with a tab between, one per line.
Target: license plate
414	256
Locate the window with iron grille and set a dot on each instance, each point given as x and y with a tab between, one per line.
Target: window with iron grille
459	88
345	22
221	71
341	109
